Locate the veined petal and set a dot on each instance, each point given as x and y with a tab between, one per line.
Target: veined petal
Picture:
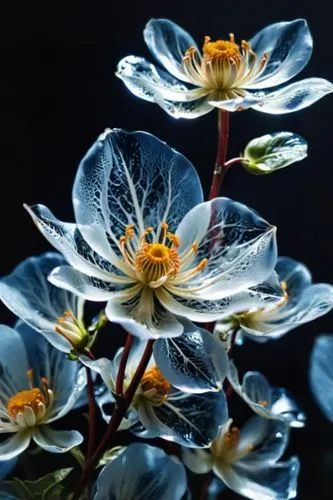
295	96
168	42
15	445
13	362
132	178
288	47
154	475
238	103
193	362
240	247
145	80
187	109
276	482
321	374
56	441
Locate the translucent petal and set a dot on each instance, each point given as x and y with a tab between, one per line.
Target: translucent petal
240	247
321	374
238	103
56	441
14	445
6	468
13	362
197	460
132	178
168	42
154	475
191	420
276	482
288	47
187	110
194	362
147	81
295	96
271	152
285	406
295	274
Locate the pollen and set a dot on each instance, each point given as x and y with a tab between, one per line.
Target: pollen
263	403
222	50
231	438
154	380
31	398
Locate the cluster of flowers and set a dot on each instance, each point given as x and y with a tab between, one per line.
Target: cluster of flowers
164	260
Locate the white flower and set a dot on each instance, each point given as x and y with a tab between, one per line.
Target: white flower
145	242
37	386
246	460
227	74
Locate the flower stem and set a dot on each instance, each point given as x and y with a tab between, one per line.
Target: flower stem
117	416
92	414
122	365
222	146
234	161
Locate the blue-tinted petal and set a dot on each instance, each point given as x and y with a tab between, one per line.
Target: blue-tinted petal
6	468
187	109
142	472
194	362
288	47
295	96
321	374
13	363
56	441
237	103
284	406
295	275
14	445
198	460
168	42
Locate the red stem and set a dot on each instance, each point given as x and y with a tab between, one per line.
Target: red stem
122	365
222	146
92	414
116	419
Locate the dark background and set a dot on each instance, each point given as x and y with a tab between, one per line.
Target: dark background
58	92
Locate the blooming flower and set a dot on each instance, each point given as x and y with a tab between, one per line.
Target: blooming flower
160	410
227	75
302	302
55	313
246	460
37	386
265	400
153	474
145	242
321	374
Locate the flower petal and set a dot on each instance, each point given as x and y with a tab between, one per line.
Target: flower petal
240	247
197	460
6	468
321	374
13	362
56	441
295	96
154	475
191	420
284	406
238	103
132	178
168	42
190	109
194	362
288	47
14	445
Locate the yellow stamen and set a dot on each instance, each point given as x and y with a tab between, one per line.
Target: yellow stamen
31	398
263	403
231	438
222	50
155	386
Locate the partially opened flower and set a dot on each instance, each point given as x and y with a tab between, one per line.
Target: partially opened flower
160	410
142	471
321	374
265	400
303	301
228	74
247	460
38	385
145	242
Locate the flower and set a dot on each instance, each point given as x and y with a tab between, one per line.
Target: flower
142	471
246	460
302	302
265	400
321	374
37	386
160	410
55	313
145	242
229	75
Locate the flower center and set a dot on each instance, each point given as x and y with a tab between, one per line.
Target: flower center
28	407
72	329
155	386
222	50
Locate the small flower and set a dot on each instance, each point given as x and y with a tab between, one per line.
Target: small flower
321	374
227	74
55	313
37	386
302	302
142	471
160	410
145	242
246	460
265	400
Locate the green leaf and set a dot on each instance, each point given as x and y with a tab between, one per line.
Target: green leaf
110	455
47	487
271	152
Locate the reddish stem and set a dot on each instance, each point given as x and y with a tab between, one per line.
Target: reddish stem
92	414
116	419
222	146
233	161
122	365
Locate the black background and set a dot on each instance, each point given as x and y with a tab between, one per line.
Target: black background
58	92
